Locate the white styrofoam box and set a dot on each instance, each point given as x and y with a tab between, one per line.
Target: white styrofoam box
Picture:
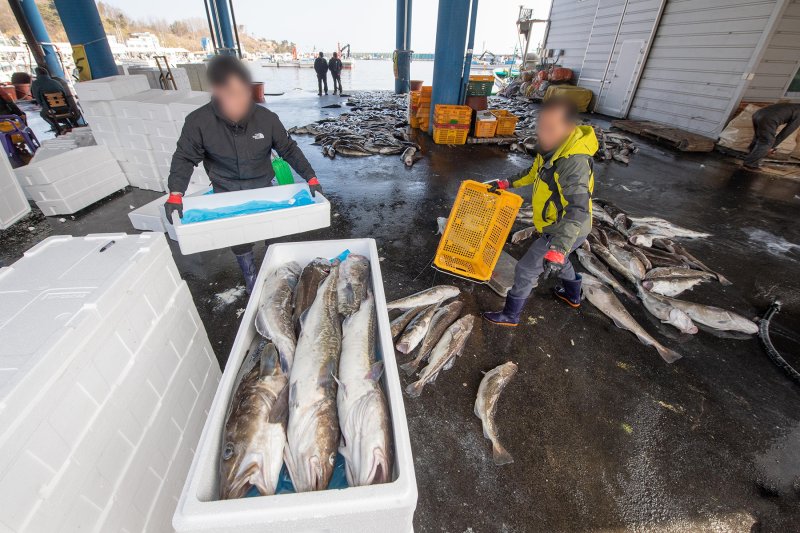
160	128
83	179
13	203
97	108
135	155
388	507
111	88
164	144
62	165
107	138
148	216
191	101
137	141
194	189
107	376
128	107
118	152
148	184
163	159
225	232
131	125
159	108
140	170
84	198
103	124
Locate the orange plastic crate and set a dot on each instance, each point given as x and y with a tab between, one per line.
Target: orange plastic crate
426	89
413	121
506	122
450	133
452	114
476	231
485	128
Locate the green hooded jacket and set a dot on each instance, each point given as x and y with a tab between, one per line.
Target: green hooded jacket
562	189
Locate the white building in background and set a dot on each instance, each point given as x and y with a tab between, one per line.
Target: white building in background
143	42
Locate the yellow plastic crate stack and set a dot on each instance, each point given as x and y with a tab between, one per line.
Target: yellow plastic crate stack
413	107
451	123
424	110
506	122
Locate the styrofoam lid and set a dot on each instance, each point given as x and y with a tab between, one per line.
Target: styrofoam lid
55	287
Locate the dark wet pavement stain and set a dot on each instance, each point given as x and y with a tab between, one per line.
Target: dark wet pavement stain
605	436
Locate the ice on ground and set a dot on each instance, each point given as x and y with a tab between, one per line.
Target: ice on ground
774	244
230	296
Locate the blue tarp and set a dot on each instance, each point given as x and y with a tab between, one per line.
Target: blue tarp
256	206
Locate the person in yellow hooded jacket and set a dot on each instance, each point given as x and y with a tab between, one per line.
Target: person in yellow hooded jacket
563	183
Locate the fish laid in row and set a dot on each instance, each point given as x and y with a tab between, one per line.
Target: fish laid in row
434	295
444	354
442	320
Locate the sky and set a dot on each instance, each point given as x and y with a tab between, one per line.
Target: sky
320	24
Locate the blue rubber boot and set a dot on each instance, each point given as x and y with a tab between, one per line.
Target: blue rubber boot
570	291
247	262
509	316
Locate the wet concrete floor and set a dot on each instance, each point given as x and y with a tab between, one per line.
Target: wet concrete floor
605	435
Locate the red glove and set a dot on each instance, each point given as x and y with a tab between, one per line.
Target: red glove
314	185
498	184
174	203
553	262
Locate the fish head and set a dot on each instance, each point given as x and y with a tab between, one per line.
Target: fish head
311	456
368	452
252	463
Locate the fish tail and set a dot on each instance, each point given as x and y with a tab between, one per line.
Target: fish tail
410	367
403	347
670	356
415	389
723	280
500	455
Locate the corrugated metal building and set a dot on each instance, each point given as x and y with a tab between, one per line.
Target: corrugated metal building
686	63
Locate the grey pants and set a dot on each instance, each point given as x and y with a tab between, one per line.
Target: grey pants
531	266
763	139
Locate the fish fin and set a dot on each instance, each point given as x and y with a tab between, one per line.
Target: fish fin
500	455
279	413
415	389
670	356
261	325
342	385
403	347
434	376
376	371
411	367
269	360
450	363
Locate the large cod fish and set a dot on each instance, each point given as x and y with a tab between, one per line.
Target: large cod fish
491	387
363	411
274	316
313	430
254	437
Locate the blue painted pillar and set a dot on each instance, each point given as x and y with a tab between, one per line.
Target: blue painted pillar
40	33
448	63
222	15
85	32
402	52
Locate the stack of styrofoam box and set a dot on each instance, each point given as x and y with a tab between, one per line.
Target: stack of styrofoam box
153	74
107	379
142	130
66	181
152	216
13	204
196	72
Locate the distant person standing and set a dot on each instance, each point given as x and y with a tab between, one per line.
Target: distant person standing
321	68
335	66
766	138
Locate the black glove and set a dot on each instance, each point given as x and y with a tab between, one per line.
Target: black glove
498	184
174	203
315	187
553	262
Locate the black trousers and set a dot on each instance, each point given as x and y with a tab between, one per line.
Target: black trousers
322	79
229	185
763	139
337	78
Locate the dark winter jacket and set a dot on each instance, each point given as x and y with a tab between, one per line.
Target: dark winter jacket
321	66
233	151
335	66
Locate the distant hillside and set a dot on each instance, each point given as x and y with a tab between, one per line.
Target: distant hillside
185	33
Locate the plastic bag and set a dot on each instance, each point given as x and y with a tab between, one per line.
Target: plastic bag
248	208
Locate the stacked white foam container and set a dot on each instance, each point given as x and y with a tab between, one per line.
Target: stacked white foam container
141	130
62	182
107	377
13	205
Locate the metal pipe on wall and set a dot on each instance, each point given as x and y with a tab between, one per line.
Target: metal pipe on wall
85	31
27	32
448	64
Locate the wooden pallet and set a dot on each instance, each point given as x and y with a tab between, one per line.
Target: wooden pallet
493	140
682	140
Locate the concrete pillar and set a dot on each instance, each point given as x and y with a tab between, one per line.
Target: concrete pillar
448	64
85	32
40	34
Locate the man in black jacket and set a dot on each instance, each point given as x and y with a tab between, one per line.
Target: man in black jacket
766	122
335	66
234	139
321	68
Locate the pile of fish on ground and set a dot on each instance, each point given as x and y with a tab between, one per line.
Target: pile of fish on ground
613	145
377	124
439	333
641	252
289	405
